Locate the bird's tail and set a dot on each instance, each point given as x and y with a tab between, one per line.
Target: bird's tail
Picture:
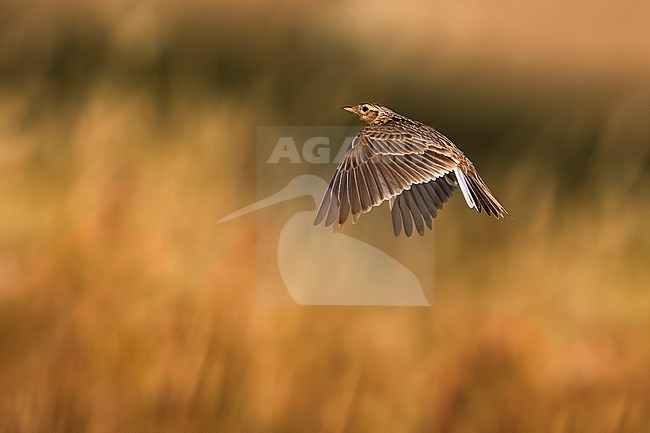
476	193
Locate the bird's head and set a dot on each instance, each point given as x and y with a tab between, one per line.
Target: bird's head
372	114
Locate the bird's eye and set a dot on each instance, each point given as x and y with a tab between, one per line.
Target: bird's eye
364	108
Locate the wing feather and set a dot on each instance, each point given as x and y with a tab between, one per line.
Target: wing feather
344	200
422	206
371	183
415	211
406	216
353	191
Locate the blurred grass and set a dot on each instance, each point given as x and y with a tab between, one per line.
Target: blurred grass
126	130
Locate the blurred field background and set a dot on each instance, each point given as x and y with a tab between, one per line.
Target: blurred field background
128	128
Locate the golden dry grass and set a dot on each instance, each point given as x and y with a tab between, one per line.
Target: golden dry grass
126	131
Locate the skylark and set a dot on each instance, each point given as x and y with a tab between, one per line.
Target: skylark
410	164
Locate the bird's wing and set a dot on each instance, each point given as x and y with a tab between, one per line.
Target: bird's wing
420	204
382	163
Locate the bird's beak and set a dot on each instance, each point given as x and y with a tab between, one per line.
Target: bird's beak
350	109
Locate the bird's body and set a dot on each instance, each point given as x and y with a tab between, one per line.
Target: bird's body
412	165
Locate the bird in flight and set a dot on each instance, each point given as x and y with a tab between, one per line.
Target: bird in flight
413	166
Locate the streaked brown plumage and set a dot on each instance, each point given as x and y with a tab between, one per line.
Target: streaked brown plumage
410	164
